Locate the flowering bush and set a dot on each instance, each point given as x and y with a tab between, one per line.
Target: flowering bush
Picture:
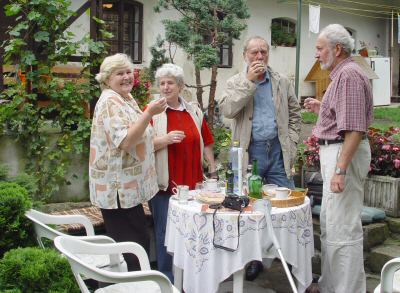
311	152
385	152
141	87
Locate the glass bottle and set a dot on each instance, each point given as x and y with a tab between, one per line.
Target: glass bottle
235	158
245	187
229	179
255	182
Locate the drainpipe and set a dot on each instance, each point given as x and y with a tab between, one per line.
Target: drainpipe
298	26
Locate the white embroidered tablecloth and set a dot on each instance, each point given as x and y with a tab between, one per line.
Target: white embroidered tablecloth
189	237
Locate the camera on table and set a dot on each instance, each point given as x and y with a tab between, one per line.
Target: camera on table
235	202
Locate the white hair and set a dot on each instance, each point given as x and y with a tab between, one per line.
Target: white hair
247	42
337	34
170	70
110	64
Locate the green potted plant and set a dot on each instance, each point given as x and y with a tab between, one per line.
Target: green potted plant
382	187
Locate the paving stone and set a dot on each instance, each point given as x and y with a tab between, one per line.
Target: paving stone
372	281
394	224
380	255
375	234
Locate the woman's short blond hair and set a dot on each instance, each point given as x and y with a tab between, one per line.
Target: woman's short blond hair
170	70
110	64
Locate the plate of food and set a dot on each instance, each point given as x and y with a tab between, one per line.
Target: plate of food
210	197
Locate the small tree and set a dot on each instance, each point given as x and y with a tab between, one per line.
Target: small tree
204	26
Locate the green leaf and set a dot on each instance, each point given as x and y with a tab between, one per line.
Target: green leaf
16	31
29	58
12	9
34	15
41	36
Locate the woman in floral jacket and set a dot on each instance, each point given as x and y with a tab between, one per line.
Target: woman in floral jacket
122	172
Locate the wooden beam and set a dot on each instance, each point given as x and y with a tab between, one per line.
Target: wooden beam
95	11
85	6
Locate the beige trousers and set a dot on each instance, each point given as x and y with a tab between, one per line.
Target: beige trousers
342	261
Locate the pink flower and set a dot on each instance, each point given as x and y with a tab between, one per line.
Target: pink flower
386	147
396	163
136	82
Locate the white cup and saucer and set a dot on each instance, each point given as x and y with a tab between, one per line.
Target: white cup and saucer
211	185
181	193
282	192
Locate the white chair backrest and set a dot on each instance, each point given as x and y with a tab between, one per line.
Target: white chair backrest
41	221
389	283
71	247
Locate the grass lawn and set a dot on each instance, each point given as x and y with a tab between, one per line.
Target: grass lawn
384	117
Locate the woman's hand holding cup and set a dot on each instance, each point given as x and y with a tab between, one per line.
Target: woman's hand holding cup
157	106
175	136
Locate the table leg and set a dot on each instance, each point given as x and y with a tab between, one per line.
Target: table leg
178	278
238	278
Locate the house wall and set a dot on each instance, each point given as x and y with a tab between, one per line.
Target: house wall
373	32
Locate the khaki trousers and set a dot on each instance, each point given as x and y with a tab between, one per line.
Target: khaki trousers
341	229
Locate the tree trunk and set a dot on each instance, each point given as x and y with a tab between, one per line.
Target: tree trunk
199	89
211	97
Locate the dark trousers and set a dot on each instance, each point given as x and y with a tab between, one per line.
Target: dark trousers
128	225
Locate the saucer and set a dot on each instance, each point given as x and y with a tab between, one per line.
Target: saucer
213	190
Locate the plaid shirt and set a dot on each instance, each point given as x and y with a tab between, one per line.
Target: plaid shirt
347	104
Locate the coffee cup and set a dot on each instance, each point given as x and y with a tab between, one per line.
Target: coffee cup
182	193
282	192
211	185
269	189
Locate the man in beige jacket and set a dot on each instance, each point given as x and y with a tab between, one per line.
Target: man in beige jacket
266	120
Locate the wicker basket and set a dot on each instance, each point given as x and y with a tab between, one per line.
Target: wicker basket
296	198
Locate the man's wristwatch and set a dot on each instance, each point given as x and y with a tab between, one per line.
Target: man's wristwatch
339	171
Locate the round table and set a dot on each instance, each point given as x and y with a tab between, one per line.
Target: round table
189	237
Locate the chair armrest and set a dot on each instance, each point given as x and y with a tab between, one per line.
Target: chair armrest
84	247
387	274
102	239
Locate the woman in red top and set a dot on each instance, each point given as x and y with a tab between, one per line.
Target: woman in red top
182	140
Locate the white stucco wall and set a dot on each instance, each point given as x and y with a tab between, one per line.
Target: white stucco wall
374	32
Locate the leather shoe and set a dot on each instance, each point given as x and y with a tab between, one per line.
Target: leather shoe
253	269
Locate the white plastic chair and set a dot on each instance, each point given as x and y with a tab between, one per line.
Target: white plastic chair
146	280
42	230
390	277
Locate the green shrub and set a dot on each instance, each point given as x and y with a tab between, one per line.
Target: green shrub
222	140
309	117
35	270
27	181
4	169
14	226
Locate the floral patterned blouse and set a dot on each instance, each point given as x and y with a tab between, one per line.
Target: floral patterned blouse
112	170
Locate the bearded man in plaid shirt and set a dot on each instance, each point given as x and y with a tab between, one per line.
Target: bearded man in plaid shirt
344	116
